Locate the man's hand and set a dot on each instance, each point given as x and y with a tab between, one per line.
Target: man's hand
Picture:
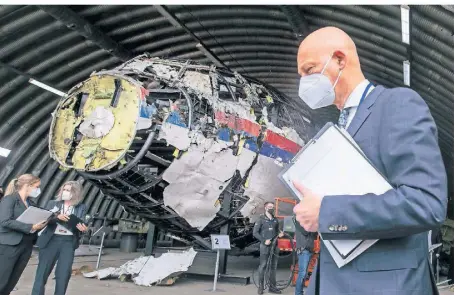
281	234
307	211
81	227
63	217
267	242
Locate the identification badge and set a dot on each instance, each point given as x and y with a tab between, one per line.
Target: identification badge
270	228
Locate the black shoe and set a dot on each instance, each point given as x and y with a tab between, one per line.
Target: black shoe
274	291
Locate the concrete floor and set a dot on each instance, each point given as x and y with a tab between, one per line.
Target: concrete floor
185	286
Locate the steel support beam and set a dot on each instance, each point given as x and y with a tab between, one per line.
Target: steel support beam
25	75
297	21
150	242
199	44
409	47
75	22
197	239
224	230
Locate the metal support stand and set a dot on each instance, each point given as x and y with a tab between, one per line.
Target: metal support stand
101	250
437	268
150	242
105	231
431	250
223	256
217	264
219	242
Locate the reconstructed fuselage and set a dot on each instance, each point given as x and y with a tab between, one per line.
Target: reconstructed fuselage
190	147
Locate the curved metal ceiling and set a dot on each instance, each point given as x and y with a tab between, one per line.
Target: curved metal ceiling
259	41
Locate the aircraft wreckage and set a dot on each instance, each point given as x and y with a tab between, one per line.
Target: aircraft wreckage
189	147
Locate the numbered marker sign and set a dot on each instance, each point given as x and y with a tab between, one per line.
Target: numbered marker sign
220	242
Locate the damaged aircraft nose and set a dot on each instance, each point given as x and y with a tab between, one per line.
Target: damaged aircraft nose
171	140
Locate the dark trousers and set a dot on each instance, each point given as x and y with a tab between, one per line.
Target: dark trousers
60	250
13	260
265	252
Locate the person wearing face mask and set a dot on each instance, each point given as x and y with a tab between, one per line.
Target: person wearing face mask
266	229
17	238
57	242
396	132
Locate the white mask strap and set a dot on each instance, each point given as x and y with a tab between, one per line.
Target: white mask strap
326	63
336	81
325	66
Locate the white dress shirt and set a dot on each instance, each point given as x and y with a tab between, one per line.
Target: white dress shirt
353	100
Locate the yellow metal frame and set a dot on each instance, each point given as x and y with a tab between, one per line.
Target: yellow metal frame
94	154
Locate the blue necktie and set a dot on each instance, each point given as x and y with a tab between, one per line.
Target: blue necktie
343	119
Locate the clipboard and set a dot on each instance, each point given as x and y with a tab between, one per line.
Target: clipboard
33	215
72	223
333	164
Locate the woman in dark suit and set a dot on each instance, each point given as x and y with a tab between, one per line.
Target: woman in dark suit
57	242
16	238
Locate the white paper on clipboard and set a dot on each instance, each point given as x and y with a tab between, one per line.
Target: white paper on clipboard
333	164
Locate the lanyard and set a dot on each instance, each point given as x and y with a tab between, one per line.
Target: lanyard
365	92
67	210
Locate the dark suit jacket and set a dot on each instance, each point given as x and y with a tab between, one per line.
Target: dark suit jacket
304	240
395	130
11	230
48	232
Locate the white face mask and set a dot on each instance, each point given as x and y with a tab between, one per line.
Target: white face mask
35	193
66	196
316	90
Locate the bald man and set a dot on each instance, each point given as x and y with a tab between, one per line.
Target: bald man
395	130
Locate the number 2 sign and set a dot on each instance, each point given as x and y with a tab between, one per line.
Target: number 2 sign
220	242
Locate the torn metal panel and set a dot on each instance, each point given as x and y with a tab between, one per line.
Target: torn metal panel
147	112
175	135
237	123
199	81
291	134
263	186
197	179
103	273
287	132
245	161
194	197
148	270
189	161
168	264
220	166
98	123
254	207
